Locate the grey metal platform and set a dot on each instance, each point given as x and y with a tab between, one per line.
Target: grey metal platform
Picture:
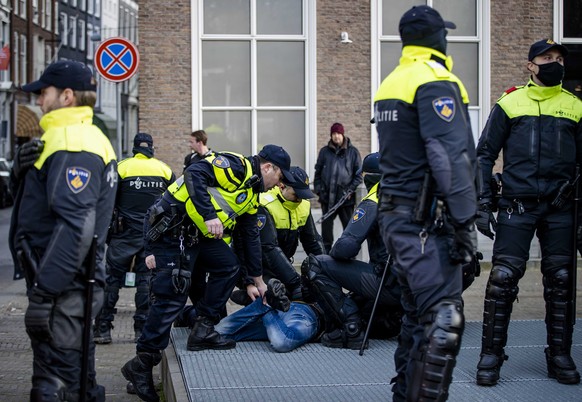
253	372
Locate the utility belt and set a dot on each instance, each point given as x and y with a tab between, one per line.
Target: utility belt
423	211
171	223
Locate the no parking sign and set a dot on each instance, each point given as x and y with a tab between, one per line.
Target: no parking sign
116	59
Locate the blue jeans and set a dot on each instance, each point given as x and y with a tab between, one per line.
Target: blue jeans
284	330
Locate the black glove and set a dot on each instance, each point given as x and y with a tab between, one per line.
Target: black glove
38	317
486	220
462	249
26	156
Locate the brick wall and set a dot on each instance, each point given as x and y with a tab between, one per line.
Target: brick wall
515	25
165	99
343	71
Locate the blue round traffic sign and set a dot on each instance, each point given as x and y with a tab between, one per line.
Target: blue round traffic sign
116	59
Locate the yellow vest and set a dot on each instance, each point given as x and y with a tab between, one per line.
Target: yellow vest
372	194
230	200
284	218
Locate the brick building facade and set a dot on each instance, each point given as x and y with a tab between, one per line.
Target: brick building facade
344	73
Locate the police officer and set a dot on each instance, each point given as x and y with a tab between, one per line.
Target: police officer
284	218
191	225
142	180
327	275
67	197
427	202
539	128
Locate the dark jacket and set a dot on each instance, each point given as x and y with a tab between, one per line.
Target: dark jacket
540	132
336	172
422	119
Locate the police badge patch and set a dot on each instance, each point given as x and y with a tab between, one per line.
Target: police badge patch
77	178
241	198
444	108
261	221
358	214
221	162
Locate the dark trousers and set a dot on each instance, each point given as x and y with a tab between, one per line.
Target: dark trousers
514	234
426	277
344	213
222	266
124	250
61	357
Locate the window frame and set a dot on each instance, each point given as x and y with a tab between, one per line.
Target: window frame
308	37
482	38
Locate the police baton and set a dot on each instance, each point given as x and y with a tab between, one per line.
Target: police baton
365	340
91	262
574	274
336	206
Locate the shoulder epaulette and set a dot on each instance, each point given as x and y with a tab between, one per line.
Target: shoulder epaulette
438	69
510	90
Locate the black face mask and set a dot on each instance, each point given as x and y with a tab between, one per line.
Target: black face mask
550	74
370	180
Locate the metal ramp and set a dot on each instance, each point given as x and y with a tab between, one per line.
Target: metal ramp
253	372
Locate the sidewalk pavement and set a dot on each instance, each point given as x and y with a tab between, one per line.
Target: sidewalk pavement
16	356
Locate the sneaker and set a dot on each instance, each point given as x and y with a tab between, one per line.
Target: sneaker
562	368
102	332
276	295
240	297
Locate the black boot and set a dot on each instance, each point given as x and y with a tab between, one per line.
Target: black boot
350	336
496	315
139	372
203	336
488	368
276	295
102	332
562	368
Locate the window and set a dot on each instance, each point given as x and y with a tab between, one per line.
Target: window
570	28
465	45
35	12
253	75
98	8
23	61
73	3
22	8
72	32
90	7
82	5
47	13
81	34
16	58
63	29
90	43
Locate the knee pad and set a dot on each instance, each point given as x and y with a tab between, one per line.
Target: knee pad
48	389
432	365
502	283
444	326
556	285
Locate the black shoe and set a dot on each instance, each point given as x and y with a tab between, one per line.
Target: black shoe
562	368
203	336
276	295
102	332
350	337
240	297
129	388
138	371
488	369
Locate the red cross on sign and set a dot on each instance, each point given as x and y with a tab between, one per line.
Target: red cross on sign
116	59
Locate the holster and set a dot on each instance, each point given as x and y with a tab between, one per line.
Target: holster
27	260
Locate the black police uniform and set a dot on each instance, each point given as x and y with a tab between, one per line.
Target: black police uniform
421	115
142	180
328	274
540	132
67	198
282	224
223	186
